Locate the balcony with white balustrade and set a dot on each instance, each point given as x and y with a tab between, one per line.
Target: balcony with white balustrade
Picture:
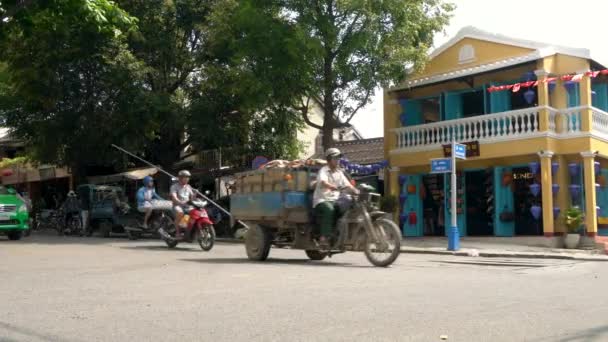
506	127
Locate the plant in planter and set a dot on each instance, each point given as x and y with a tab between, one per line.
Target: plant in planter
574	217
389	204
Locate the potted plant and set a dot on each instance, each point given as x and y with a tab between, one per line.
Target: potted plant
389	204
574	219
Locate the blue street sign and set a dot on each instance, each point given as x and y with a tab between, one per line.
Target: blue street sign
441	165
460	151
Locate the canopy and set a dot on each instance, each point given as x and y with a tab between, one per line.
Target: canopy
137	174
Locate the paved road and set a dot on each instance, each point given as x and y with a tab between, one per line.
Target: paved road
79	289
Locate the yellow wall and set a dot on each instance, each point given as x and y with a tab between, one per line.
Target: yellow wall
485	52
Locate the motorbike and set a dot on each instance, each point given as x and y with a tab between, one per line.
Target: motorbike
362	227
73	225
195	225
160	218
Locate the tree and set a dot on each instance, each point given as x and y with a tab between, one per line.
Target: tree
67	69
348	48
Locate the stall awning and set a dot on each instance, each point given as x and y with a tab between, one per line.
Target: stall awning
137	174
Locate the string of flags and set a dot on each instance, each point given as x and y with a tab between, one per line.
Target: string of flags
362	169
515	87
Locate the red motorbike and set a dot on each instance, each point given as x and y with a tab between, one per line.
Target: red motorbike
195	226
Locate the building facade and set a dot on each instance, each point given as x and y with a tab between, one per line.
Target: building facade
533	117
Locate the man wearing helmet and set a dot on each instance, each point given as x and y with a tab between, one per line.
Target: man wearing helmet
181	194
330	181
145	195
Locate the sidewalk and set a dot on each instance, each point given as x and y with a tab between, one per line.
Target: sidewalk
499	247
492	247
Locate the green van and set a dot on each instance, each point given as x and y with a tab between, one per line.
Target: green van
14	216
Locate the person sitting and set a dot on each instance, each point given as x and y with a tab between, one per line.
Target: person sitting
145	195
330	181
181	194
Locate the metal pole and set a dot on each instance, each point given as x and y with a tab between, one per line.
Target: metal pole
453	234
172	176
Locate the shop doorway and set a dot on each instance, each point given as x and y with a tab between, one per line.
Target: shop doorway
433	199
478	203
523	199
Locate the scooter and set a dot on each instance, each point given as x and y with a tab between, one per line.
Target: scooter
196	226
160	218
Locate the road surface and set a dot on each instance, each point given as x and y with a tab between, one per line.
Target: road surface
95	289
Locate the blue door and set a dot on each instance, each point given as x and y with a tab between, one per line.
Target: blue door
503	203
413	204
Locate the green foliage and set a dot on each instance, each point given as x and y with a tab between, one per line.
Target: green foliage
9	162
574	219
340	51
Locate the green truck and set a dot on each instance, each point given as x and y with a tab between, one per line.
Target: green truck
14	216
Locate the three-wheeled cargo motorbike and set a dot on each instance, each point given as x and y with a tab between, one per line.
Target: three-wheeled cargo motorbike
276	205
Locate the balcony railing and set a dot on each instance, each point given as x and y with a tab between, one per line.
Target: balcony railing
511	125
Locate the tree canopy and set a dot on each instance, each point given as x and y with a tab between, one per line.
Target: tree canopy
156	76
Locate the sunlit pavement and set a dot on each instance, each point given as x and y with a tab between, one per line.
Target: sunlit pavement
93	289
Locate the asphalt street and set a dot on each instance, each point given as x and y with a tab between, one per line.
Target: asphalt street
94	289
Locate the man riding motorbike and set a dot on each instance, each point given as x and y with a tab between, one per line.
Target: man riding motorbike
181	195
330	180
71	207
145	195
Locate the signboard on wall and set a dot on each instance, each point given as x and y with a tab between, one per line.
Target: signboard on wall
472	149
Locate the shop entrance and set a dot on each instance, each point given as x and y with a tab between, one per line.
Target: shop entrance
433	200
478	203
525	224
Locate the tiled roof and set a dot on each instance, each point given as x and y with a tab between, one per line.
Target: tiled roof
365	151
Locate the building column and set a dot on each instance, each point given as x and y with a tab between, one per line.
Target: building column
393	189
563	200
590	196
392	109
586	103
546	180
543	100
559	100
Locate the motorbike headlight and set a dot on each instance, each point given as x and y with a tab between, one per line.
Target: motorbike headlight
23	209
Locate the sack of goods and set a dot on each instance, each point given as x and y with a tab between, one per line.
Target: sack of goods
293	164
162	205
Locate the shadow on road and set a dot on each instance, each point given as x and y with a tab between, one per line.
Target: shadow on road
27	332
162	247
271	261
595	334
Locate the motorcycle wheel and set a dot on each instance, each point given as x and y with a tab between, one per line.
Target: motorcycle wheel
385	252
315	255
206	237
170	229
74	226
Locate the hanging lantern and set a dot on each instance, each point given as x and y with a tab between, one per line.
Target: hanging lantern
597	211
412	218
554	167
534	167
402	198
535	189
573	168
402	219
536	211
596	167
569	85
402	179
556	211
551	86
529	96
575	190
411	189
597	187
7	172
528	76
402	119
593	93
555	188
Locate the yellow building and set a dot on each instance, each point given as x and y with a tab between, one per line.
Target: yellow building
559	127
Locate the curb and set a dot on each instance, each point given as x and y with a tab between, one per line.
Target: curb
478	254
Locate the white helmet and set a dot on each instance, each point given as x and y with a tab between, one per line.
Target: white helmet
184	173
333	153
